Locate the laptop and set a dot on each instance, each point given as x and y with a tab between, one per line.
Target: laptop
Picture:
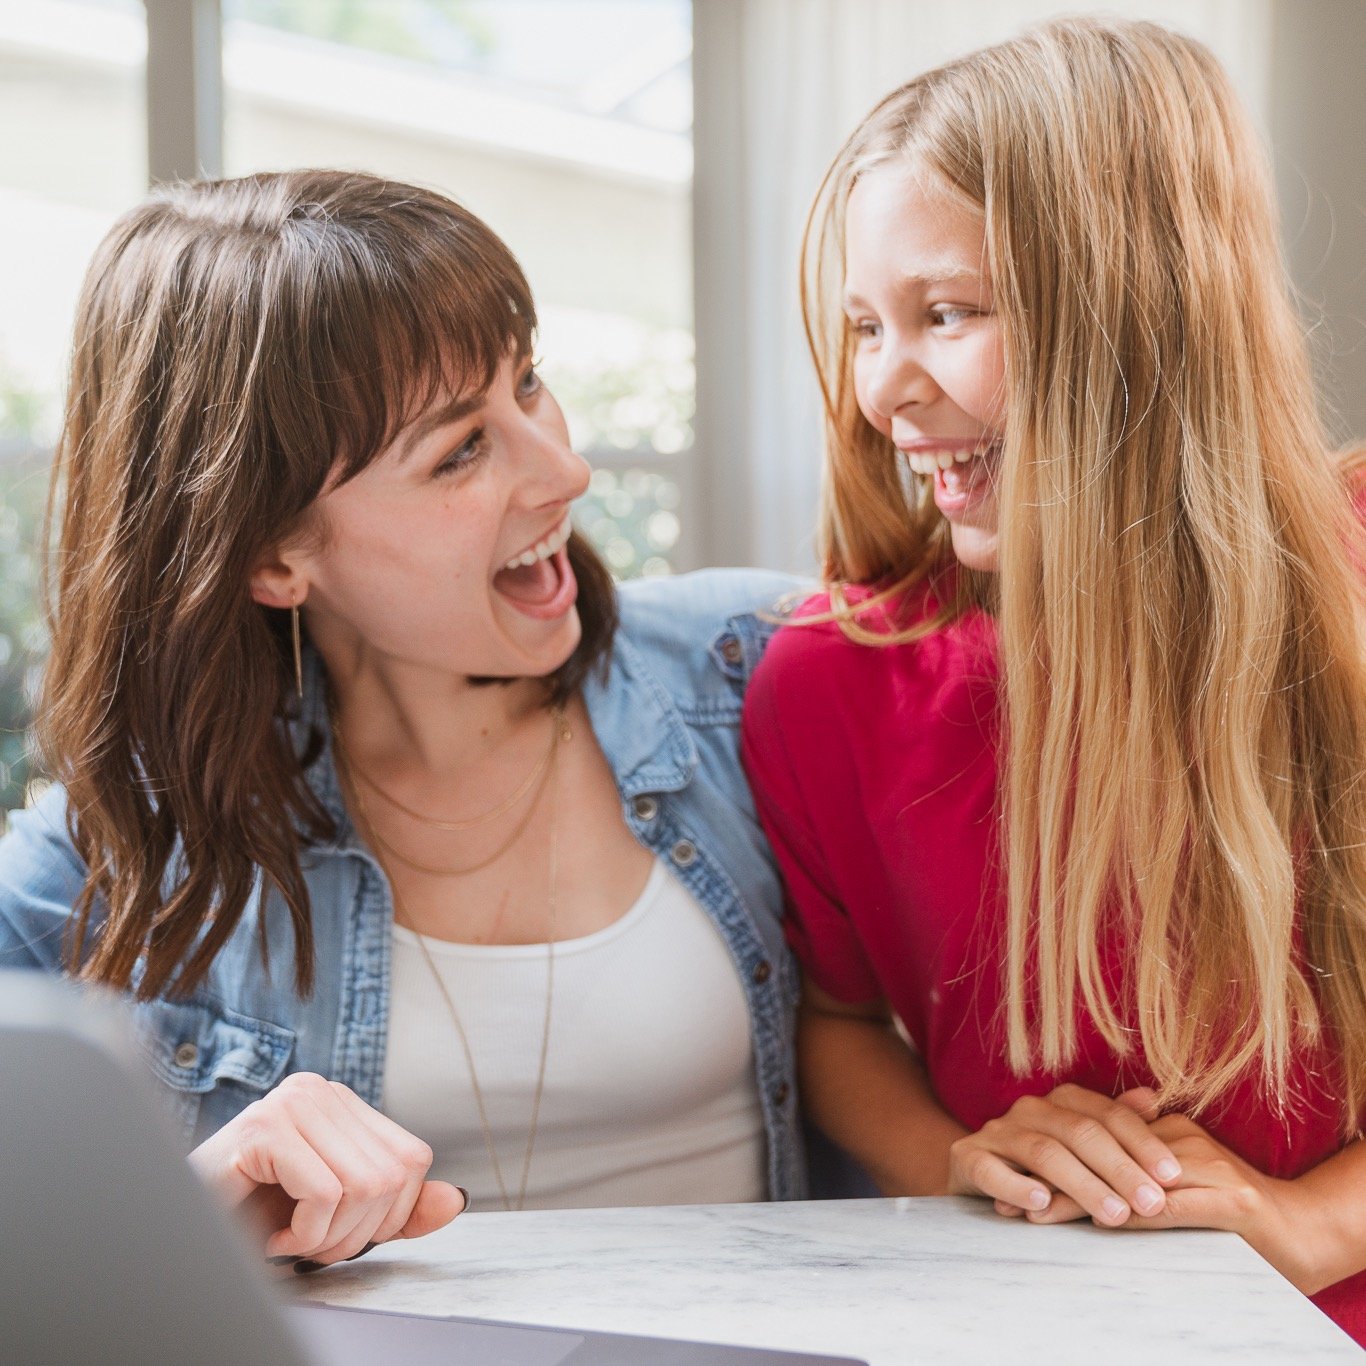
112	1252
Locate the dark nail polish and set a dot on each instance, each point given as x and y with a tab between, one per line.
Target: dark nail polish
302	1267
281	1261
466	1194
369	1247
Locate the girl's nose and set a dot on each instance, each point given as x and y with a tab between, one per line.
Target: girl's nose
898	379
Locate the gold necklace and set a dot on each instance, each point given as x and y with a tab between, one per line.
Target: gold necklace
401	917
558	729
501	809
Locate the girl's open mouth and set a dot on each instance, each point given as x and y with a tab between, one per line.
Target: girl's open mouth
965	482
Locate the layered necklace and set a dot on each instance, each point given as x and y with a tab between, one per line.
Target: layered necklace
541	777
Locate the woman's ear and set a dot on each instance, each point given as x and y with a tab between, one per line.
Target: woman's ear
277	583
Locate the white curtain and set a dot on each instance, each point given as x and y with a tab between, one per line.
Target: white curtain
778	86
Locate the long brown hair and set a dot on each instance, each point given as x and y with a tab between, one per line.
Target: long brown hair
1180	605
236	343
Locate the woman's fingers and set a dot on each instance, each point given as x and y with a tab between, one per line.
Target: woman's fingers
438	1203
295	1166
374	1176
332	1172
414	1159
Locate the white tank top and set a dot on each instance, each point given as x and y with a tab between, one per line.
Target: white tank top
650	1093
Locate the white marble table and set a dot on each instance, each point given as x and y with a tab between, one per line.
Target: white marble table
895	1281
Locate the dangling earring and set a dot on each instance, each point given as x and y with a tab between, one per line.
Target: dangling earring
298	651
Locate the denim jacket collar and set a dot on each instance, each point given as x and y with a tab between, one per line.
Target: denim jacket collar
639	728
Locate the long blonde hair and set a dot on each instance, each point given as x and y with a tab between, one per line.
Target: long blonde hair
1179	602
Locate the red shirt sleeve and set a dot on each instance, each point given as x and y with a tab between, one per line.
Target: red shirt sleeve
817	926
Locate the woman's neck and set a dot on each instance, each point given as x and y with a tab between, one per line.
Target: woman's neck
428	729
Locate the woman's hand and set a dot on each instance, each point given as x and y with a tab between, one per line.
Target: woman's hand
1071	1154
323	1174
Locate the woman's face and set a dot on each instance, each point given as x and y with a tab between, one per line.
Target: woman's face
929	367
448	550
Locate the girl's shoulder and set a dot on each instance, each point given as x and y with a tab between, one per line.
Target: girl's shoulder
860	631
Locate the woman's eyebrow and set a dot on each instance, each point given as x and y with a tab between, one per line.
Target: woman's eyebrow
441	415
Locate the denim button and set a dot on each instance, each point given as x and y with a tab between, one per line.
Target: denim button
732	651
683	853
646	808
763	970
186	1055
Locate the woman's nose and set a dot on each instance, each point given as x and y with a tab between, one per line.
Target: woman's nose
559	473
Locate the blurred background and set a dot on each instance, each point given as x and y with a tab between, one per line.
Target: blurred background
649	161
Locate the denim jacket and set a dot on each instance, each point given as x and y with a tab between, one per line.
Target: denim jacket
667	717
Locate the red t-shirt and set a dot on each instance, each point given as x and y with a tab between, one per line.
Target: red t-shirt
874	769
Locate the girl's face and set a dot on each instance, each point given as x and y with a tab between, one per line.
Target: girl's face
448	551
929	368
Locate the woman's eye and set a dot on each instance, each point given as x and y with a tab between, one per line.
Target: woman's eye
529	383
945	315
469	452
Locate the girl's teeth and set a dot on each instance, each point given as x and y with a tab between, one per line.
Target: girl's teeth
927	462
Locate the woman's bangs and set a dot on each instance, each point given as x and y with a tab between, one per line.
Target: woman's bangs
437	319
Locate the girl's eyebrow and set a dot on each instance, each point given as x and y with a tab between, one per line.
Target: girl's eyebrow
936	277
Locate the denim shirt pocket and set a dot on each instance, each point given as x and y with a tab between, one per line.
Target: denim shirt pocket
213	1061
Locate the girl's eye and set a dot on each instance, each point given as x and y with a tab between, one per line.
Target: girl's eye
530	382
945	315
469	453
864	328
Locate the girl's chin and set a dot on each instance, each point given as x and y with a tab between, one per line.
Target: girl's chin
976	547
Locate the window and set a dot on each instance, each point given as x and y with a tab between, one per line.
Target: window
568	127
72	160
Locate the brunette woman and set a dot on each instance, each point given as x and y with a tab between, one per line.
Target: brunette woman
424	852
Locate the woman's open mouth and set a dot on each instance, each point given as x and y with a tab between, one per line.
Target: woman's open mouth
539	581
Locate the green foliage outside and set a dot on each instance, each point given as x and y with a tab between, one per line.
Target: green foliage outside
24	466
639	411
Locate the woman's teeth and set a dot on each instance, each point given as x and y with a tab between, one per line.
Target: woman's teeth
926	462
543	550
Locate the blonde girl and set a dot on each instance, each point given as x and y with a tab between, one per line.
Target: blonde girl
1064	771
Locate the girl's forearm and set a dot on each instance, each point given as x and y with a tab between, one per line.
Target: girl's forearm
869	1092
1326	1227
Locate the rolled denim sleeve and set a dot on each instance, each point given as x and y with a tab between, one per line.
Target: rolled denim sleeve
41	876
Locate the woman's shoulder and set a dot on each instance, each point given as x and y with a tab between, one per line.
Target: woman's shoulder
694	625
41	877
678	605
